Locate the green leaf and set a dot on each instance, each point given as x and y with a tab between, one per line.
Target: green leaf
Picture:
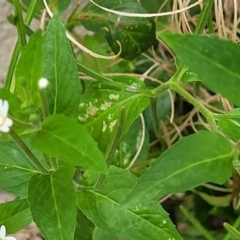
193	160
14	103
52	203
59	5
233	231
219	201
98	45
136	35
29	68
15	169
100	106
130	144
15	215
100	234
84	228
219	72
60	68
64	138
230	124
141	223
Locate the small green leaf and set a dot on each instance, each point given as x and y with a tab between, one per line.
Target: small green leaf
15	215
29	68
60	68
100	106
15	169
193	160
233	231
219	201
136	35
141	223
64	138
52	203
230	124
219	72
59	5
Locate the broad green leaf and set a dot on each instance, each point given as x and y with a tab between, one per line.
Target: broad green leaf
15	169
98	45
193	160
219	72
65	138
15	215
100	234
84	228
143	222
230	124
100	106
52	202
60	68
136	35
29	68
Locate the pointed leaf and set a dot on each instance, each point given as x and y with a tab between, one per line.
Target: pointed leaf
219	72
52	203
64	138
29	68
84	228
193	160
15	169
60	68
100	106
141	223
15	215
136	35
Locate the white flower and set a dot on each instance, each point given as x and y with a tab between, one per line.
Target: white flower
5	122
3	234
42	83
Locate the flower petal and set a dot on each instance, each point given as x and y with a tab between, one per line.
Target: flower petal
4	108
8	122
5	127
10	238
2	229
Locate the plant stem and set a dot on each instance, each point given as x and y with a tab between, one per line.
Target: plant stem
196	223
20	23
111	149
43	96
236	225
204	16
163	87
206	113
16	51
28	152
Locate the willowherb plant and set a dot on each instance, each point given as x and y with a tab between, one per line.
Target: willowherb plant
93	141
